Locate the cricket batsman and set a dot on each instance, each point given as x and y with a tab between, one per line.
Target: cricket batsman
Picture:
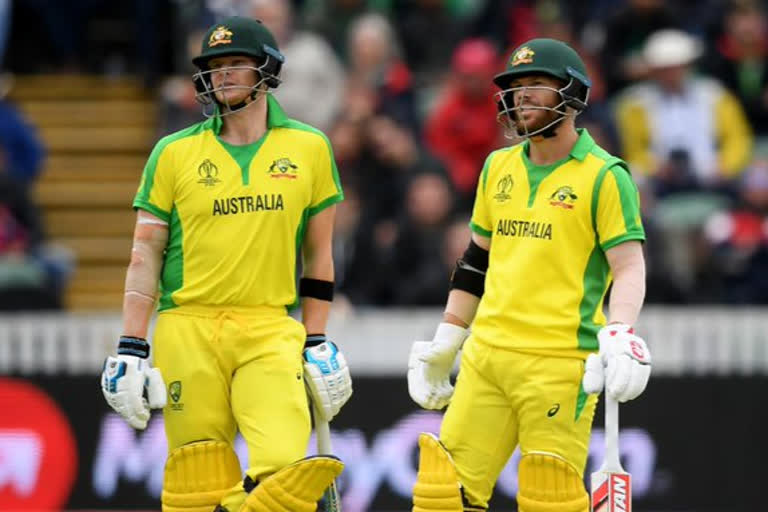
223	207
556	220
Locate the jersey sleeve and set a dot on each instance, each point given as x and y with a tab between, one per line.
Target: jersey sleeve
155	193
326	186
618	209
481	220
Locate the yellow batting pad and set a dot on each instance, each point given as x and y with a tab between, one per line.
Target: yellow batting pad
548	483
437	485
197	476
295	488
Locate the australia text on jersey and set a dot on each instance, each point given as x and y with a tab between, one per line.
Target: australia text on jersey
248	204
524	229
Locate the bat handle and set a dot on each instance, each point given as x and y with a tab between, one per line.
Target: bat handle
612	434
323	433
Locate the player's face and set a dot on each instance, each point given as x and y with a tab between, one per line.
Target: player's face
235	76
534	94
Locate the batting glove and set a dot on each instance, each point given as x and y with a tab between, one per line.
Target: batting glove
623	364
430	364
326	376
130	385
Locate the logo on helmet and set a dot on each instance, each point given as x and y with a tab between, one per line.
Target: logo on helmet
221	35
522	56
563	197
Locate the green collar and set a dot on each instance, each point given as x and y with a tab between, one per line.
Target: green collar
276	116
580	150
583	145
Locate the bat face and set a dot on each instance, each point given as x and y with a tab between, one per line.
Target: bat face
331	501
611	492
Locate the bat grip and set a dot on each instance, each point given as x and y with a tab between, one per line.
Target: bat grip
612	433
323	433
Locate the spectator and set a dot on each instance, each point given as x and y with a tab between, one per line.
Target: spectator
508	23
657	119
429	32
737	239
375	63
392	156
23	150
625	37
740	60
552	24
415	279
332	19
25	283
311	66
690	138
462	130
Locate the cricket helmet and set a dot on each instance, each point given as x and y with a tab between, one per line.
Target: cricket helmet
238	36
548	57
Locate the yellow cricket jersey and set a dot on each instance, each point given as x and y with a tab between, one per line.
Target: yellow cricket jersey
237	214
550	226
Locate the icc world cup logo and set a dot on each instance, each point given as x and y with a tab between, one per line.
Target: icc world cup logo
208	172
504	187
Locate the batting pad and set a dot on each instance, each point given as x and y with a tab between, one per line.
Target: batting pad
295	488
437	485
197	476
549	484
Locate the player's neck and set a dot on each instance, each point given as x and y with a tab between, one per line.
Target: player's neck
547	151
247	125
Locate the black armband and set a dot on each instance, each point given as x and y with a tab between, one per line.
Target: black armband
130	346
476	257
316	288
469	274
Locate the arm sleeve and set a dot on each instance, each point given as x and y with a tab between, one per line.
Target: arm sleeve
326	186
481	222
618	209
155	193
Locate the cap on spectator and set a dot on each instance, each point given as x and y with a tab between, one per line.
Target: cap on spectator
670	48
475	56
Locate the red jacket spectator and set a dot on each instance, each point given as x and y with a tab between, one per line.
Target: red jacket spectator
462	128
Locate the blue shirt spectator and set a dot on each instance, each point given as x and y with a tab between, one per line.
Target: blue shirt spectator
24	152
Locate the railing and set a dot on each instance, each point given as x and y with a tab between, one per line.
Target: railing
683	341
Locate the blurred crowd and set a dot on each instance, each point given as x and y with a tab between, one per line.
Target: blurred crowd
403	90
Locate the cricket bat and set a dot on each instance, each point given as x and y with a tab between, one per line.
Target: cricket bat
331	498
611	485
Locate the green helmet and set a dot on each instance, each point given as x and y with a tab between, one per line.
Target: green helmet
242	36
553	58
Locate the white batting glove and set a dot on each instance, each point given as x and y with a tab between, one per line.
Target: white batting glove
326	377
430	364
130	385
623	364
